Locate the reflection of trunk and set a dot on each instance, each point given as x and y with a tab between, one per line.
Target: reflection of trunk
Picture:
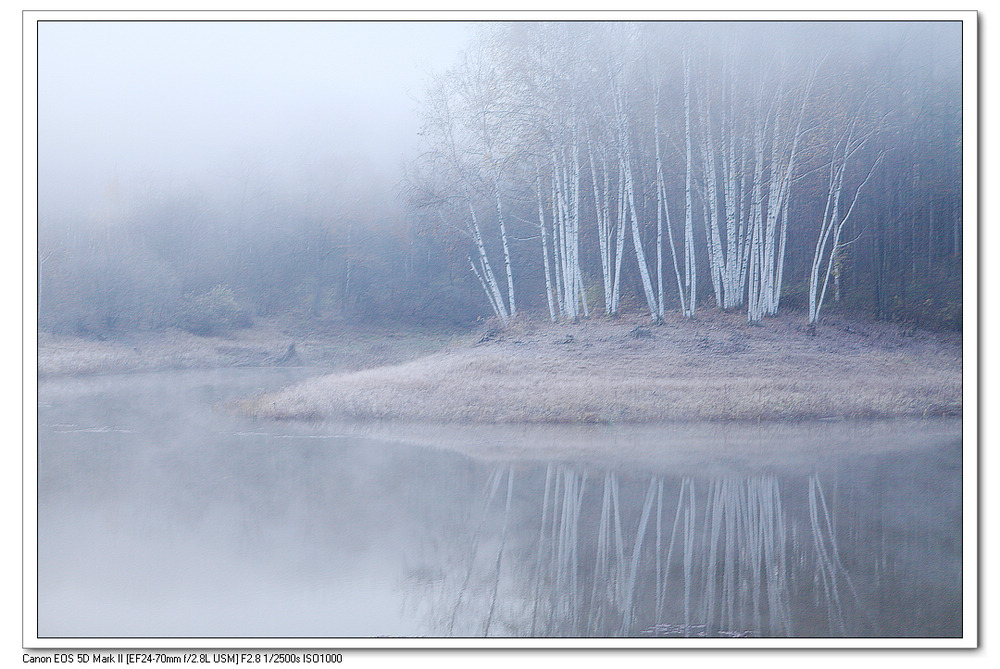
499	560
491	491
831	568
616	562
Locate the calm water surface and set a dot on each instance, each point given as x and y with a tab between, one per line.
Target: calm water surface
159	516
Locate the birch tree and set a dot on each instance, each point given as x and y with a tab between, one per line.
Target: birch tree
777	133
663	216
724	144
835	215
608	228
486	117
457	164
540	70
593	136
690	267
628	196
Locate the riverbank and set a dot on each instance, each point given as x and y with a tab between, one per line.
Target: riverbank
716	367
332	345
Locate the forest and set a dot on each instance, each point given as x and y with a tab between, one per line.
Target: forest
575	170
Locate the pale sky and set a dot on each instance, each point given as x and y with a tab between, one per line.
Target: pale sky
172	101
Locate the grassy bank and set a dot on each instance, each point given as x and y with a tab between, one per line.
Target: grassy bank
715	367
332	345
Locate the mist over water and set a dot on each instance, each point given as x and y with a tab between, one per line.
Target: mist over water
198	179
161	516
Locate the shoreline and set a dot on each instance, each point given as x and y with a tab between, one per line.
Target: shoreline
626	371
689	445
714	368
331	345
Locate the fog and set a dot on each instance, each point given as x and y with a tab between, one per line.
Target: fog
161	517
343	164
130	105
229	208
138	104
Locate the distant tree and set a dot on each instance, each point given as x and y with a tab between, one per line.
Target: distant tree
599	132
837	212
460	167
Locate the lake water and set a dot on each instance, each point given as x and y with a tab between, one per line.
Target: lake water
160	516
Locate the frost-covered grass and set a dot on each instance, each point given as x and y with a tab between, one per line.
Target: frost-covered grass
715	367
331	345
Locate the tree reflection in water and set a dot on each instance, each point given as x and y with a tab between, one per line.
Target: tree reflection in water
614	556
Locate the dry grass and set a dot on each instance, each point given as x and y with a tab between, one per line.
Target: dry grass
716	367
333	345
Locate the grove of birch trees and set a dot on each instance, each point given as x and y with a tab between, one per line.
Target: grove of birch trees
592	168
575	170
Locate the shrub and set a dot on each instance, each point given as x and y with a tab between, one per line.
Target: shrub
214	312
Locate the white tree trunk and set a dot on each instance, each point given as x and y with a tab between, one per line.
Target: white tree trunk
663	211
690	269
619	241
545	244
487	278
506	249
625	166
602	199
828	242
